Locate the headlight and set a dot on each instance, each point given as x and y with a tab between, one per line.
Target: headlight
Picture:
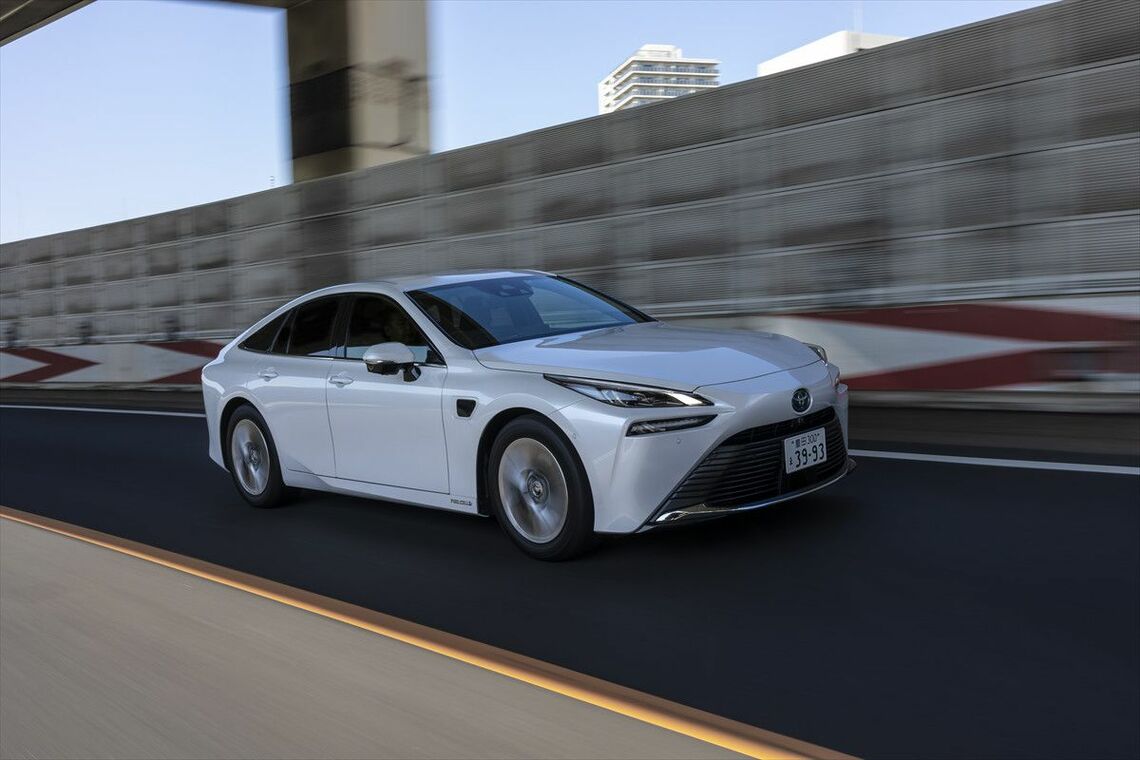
818	350
629	396
666	426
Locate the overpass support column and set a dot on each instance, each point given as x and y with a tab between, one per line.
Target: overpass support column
357	84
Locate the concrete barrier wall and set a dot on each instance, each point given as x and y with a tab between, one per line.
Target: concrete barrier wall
990	163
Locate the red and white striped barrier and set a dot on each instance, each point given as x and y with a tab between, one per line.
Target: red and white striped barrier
175	362
1072	344
1069	344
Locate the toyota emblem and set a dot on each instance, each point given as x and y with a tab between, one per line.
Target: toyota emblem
801	401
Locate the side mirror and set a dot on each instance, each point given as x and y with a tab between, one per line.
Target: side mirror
389	358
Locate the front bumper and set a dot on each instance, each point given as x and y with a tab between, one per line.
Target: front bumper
747	469
632	477
699	511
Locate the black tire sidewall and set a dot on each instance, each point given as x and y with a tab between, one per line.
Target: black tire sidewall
578	530
275	489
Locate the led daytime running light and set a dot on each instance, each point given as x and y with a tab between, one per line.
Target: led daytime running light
629	396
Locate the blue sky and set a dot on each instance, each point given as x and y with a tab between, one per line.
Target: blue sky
131	107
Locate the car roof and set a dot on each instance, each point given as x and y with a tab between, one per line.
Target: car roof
420	281
406	283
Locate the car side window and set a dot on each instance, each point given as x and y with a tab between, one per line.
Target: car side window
311	329
379	320
262	340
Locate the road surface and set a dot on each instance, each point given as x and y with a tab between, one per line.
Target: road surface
916	608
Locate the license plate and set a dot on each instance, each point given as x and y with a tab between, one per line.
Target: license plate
805	450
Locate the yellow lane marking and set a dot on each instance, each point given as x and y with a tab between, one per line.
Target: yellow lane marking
713	729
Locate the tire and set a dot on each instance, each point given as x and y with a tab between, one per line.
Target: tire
539	490
252	459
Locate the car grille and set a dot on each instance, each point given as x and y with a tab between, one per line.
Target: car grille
749	466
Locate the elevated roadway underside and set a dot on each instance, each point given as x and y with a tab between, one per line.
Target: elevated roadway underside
20	17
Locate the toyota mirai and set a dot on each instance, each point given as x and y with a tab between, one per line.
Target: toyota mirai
524	395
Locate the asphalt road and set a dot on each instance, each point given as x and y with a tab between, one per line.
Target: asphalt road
915	609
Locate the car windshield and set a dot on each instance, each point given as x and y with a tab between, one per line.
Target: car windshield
481	313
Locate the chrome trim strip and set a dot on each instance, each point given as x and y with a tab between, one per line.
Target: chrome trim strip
702	511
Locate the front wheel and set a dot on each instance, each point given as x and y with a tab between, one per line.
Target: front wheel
253	459
539	491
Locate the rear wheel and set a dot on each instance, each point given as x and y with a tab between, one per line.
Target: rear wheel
252	459
539	490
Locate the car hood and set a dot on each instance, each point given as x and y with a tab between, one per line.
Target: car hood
654	353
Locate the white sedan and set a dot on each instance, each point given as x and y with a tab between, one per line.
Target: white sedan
524	395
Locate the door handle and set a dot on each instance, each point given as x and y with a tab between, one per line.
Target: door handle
267	374
340	380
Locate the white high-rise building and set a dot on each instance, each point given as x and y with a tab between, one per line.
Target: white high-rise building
653	73
831	46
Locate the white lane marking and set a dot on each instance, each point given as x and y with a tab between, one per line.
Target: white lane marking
103	410
1025	464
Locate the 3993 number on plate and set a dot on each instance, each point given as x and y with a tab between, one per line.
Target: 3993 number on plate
805	450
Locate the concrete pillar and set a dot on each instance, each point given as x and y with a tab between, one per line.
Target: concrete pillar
357	84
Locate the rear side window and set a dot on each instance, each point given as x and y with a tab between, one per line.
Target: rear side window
312	328
262	340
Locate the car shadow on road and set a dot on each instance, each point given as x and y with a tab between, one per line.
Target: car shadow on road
422	530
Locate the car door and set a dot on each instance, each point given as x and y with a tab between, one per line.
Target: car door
387	429
290	383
